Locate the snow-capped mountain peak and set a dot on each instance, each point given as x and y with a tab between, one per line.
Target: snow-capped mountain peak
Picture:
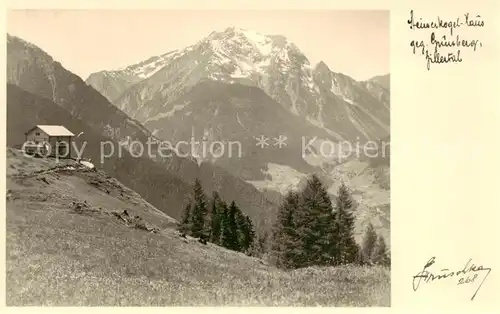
247	49
238	41
245	37
238	53
272	63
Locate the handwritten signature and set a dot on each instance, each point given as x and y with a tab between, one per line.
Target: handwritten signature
467	275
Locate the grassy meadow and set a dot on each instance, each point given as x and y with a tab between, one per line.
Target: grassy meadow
58	256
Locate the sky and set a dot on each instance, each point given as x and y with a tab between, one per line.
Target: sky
355	43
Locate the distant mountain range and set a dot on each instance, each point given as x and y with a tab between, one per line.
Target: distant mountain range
232	86
346	109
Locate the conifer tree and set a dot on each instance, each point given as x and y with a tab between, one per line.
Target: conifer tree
217	212
246	232
250	233
347	248
368	244
224	214
241	229
185	225
315	225
199	225
286	245
380	255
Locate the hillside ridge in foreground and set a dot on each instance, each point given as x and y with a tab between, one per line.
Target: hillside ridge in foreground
76	236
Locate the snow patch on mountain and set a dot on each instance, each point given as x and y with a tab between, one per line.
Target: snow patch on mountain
149	67
239	121
250	54
261	42
149	70
239	74
335	89
218	49
168	114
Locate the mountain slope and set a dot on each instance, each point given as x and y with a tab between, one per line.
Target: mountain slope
148	178
335	102
216	112
65	233
200	91
379	87
219	112
382	80
36	72
157	181
111	84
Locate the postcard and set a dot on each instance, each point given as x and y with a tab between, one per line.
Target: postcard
252	154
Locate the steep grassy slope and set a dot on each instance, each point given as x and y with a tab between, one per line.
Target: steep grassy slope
69	243
155	182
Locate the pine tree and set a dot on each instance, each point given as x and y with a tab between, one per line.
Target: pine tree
347	248
245	231
241	229
217	211
185	225
199	227
380	254
286	244
368	244
315	225
250	233
230	228
224	222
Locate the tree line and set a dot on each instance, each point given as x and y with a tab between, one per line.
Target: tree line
312	230
217	222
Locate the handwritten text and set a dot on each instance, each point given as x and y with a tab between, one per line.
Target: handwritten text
444	44
466	275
